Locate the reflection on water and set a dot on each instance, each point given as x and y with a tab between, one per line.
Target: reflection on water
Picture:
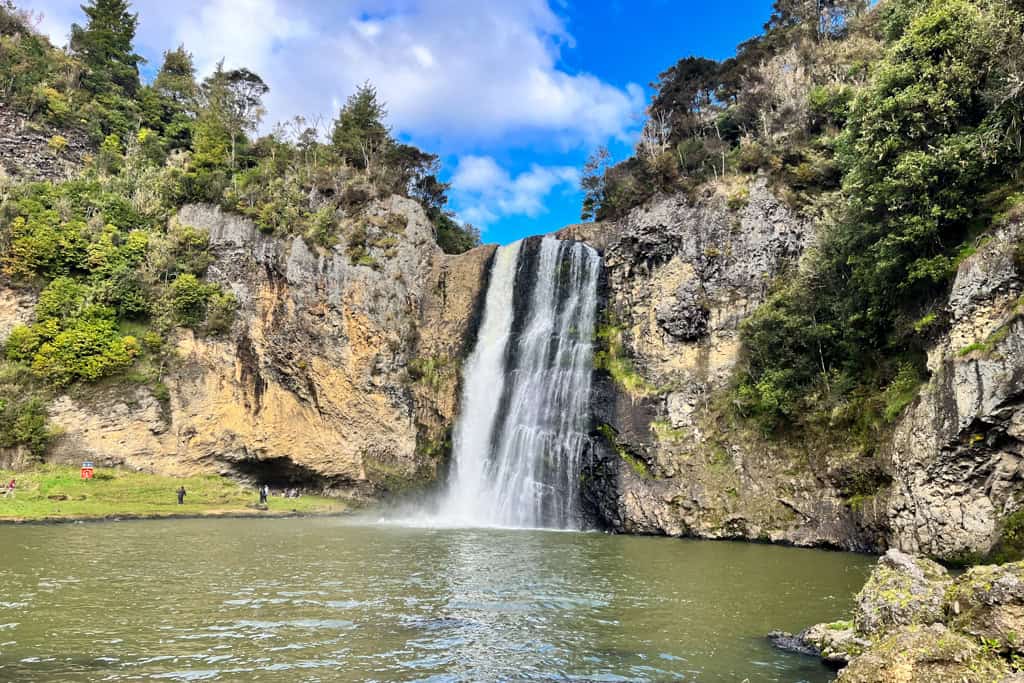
322	600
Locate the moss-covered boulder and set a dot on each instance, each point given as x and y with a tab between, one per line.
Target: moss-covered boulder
926	654
902	590
988	602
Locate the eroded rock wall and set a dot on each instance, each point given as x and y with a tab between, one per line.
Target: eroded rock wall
26	151
682	275
313	384
957	451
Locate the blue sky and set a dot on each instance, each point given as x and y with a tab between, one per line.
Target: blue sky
512	95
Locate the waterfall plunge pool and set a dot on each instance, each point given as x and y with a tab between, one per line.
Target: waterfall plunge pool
329	600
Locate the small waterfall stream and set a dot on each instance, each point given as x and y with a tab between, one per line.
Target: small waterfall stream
524	417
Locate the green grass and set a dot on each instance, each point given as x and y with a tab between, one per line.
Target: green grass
58	492
993	340
638	465
611	357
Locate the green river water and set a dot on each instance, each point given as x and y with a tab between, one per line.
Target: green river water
329	600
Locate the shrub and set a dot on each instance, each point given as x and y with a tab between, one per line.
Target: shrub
21	344
57	144
24	423
220	312
189	298
86	350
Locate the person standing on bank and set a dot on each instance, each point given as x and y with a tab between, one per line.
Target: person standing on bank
181	495
264	490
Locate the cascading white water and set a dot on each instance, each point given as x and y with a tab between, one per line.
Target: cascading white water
483	384
523	424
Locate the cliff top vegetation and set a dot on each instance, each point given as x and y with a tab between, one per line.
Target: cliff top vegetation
899	128
117	272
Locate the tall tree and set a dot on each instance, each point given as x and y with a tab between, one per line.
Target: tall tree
360	136
233	104
176	79
684	94
105	47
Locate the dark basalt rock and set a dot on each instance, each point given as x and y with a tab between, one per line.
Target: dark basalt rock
788	642
685	318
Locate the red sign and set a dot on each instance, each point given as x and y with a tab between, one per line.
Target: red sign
87	473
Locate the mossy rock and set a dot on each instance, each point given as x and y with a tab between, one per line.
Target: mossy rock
925	654
988	602
902	590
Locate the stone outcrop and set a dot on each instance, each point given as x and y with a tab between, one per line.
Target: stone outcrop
16	307
914	623
316	383
957	451
902	590
26	151
987	602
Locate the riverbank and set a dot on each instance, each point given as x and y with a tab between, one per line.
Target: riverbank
56	493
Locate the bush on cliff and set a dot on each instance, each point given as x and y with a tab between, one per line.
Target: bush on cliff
927	149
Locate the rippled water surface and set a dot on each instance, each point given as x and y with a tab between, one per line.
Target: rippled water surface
326	600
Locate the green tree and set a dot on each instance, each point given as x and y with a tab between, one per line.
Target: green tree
592	182
176	79
359	135
232	105
170	102
684	94
925	143
104	45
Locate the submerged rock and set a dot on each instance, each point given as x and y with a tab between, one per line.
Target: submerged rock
836	643
784	640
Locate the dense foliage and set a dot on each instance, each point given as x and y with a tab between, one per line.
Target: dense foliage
930	150
898	128
117	272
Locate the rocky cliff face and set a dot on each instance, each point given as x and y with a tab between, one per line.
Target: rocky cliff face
957	451
26	150
317	382
681	276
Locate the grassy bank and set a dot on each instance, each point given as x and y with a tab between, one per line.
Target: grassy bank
53	492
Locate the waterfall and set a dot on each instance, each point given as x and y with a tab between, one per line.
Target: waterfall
524	414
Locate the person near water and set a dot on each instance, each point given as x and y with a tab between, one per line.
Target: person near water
9	489
264	490
181	495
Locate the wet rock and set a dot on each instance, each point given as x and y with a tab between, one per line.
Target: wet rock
837	642
785	640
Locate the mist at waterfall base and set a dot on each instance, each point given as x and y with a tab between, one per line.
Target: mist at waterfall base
523	423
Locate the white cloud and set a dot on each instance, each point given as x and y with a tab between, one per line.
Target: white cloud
487	192
248	33
461	70
465	75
